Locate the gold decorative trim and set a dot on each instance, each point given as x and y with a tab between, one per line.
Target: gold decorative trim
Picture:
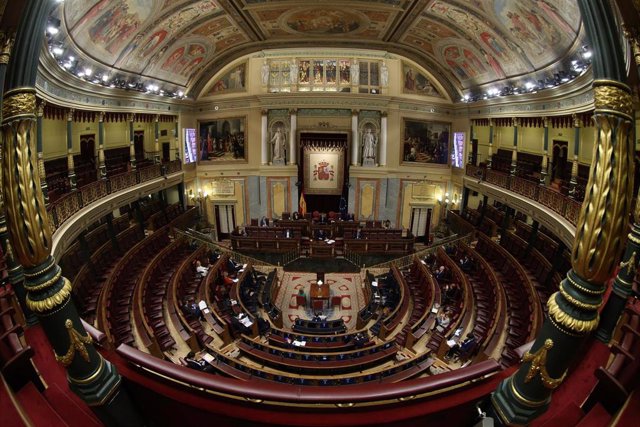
576	302
538	366
51	302
612	96
565	319
46	284
586	290
630	264
42	270
5	50
527	402
76	343
91	377
631	236
563	330
18	102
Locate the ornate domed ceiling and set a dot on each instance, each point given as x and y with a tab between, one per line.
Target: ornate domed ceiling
464	43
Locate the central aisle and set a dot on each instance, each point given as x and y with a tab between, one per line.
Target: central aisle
345	297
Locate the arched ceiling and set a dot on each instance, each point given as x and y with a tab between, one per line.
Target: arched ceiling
465	43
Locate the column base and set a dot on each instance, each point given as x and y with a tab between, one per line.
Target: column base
512	409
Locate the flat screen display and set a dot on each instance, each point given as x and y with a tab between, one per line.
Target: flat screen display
457	156
190	146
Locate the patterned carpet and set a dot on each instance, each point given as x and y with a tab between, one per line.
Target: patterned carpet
348	287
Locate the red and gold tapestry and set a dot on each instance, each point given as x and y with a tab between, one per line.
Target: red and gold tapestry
323	172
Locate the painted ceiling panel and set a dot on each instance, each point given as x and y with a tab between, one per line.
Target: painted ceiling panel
472	42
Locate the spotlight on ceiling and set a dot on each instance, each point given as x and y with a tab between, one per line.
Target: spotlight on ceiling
57	51
52	30
530	85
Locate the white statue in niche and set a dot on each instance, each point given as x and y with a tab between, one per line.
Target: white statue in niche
355	73
278	141
265	73
369	144
384	74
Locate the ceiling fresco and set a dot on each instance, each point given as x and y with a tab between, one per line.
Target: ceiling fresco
465	43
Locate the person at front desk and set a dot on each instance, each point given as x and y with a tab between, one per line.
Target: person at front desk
296	216
321	235
264	222
358	234
288	234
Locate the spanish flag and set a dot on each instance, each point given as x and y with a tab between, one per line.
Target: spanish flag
302	208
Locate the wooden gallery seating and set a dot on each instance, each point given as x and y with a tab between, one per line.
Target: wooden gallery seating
489	301
525	312
184	286
427	321
15	356
422	295
150	294
395	316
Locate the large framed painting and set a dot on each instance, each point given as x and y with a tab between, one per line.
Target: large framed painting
425	142
324	170
417	83
233	81
222	140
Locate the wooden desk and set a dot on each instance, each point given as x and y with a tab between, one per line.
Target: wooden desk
321	249
319	293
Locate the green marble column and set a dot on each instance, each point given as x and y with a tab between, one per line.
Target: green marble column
102	165
90	376
544	171
156	147
514	153
73	183
601	228
490	153
573	182
132	148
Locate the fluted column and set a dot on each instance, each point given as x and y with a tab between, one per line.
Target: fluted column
14	269
94	379
102	165
293	146
156	146
490	153
601	227
176	138
354	138
264	138
573	182
71	170
132	147
514	153
383	138
545	151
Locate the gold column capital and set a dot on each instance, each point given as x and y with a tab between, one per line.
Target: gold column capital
157	118
18	102
491	122
577	123
70	114
264	112
613	97
101	115
545	121
293	111
515	122
131	117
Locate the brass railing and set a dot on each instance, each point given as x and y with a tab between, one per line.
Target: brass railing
567	207
63	208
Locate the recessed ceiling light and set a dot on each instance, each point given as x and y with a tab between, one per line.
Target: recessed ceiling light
57	51
52	30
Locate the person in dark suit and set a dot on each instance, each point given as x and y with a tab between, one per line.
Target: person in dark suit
194	362
358	233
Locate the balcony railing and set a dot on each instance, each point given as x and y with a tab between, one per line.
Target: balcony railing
563	205
63	208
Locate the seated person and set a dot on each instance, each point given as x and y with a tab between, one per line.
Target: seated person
466	264
464	349
296	216
191	310
321	234
213	257
358	233
288	234
264	222
200	269
386	224
441	273
195	361
443	320
226	280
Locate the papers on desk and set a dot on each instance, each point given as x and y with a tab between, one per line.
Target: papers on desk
235	280
330	242
451	343
434	310
423	261
202	305
374	283
246	322
244	266
299	343
233	302
206	311
208	358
